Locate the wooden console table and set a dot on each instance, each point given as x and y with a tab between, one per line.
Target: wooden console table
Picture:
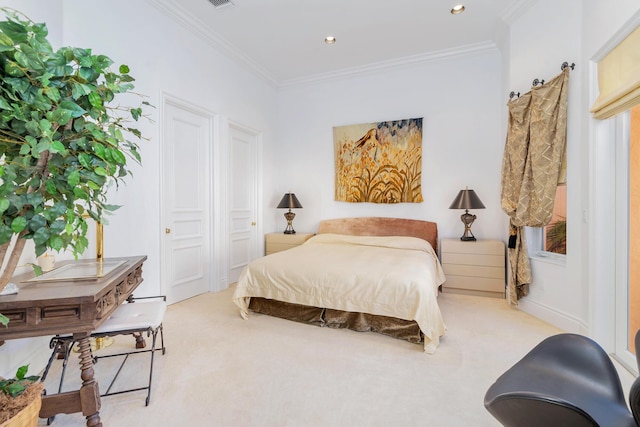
74	306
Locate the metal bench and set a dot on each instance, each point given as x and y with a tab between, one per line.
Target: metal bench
134	317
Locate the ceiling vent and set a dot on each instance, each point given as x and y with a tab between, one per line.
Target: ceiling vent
221	3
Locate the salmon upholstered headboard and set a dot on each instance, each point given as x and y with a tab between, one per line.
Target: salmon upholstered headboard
379	226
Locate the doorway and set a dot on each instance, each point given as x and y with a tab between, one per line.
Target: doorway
186	199
242	198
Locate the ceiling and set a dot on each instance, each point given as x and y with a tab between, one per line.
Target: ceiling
283	40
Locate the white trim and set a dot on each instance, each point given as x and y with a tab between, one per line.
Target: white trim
192	23
219	201
601	242
618	37
516	9
461	51
602	190
622	126
549	314
549	257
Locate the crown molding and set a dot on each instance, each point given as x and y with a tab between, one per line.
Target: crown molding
516	9
470	49
193	24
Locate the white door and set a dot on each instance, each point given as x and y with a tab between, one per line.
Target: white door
242	199
186	188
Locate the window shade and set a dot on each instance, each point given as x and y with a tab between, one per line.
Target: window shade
619	78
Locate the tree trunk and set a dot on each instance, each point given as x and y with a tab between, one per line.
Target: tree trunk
14	256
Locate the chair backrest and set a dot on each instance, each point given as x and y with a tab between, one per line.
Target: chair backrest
634	400
532	410
637	347
634	393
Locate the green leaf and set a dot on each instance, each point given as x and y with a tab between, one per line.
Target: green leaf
57	147
5	234
50	186
100	171
45	126
4	320
5	40
80	193
73	179
84	160
37	222
4	105
118	157
4	205
56	242
22	371
41	236
111	208
18	224
18	32
124	69
60	116
82	89
76	110
95	99
57	211
57	226
52	93
99	150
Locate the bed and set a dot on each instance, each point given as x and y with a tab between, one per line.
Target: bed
365	274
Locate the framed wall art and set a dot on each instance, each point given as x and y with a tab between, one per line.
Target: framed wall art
379	162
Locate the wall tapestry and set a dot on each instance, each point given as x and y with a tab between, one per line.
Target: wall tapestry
379	162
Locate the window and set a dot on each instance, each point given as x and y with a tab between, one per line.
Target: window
554	235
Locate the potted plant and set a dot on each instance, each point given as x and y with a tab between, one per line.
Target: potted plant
63	141
20	399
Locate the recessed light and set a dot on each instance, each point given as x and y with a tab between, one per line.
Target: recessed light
329	40
458	9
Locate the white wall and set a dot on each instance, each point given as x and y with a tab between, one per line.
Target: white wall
460	100
544	37
578	296
164	57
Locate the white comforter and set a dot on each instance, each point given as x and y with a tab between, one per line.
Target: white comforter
388	276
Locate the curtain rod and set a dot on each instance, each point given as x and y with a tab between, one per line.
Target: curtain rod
537	82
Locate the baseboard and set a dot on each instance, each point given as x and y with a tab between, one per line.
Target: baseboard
557	318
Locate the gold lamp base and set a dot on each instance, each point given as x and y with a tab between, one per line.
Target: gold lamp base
467	219
289	217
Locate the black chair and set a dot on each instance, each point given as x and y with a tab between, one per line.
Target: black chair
566	380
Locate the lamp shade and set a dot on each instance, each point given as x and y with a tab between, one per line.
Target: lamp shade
466	199
289	201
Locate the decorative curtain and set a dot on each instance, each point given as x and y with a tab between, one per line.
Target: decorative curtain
531	168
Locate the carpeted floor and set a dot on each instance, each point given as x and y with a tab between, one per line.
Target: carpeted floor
220	370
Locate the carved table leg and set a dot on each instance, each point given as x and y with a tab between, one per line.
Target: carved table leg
89	393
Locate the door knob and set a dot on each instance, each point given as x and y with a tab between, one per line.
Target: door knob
167	230
253	223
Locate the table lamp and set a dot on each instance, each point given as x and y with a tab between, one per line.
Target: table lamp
467	199
290	201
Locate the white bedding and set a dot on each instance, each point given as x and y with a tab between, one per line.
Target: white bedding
388	276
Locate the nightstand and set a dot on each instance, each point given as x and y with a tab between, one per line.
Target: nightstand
475	268
276	242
